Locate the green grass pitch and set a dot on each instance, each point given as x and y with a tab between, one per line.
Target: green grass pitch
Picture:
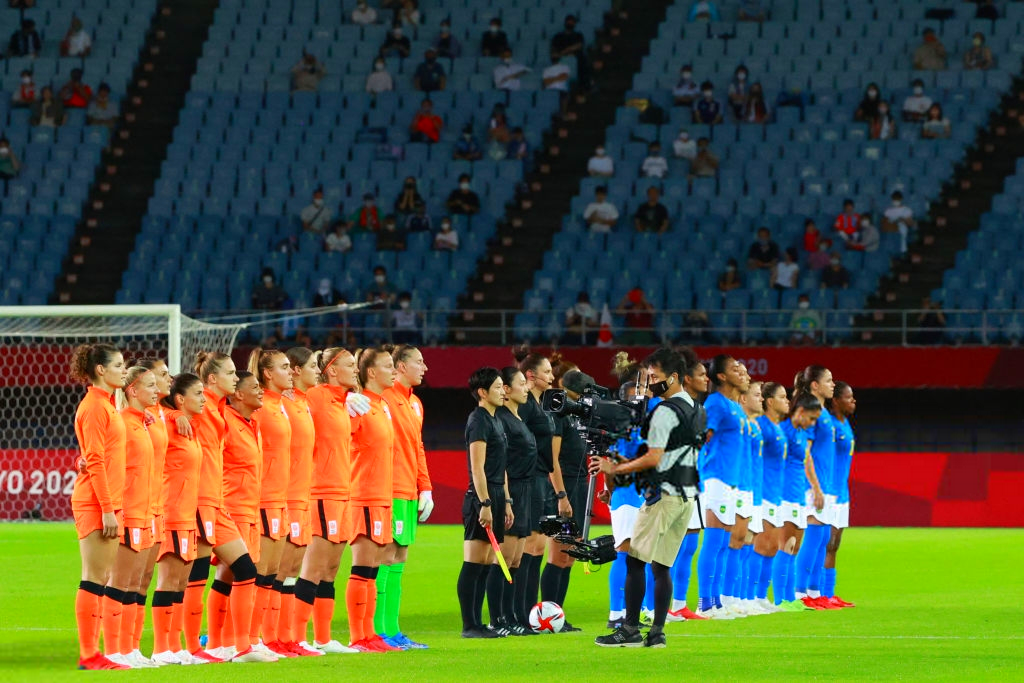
932	604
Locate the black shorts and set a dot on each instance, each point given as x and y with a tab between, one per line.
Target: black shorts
543	500
576	489
522	507
471	515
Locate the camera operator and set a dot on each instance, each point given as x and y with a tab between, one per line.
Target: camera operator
668	468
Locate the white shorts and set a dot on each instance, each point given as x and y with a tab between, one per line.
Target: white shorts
696	520
771	514
623	521
830	509
794	513
755	526
820	515
719	499
744	503
841	516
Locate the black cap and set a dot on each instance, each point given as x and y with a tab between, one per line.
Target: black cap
577	381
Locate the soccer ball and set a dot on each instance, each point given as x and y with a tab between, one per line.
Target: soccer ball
547	617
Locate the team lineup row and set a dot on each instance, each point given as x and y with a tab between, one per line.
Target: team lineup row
273	471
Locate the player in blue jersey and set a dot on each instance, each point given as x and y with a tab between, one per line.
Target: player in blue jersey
752	563
775	405
842	407
819	497
804	412
719	465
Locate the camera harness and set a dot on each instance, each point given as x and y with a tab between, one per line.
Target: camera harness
690	432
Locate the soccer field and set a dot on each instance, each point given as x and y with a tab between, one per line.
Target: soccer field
931	604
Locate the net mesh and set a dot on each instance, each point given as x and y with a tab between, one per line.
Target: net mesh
38	449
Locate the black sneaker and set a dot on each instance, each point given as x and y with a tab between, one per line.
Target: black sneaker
477	632
569	628
655	639
614	623
518	629
498	631
621	637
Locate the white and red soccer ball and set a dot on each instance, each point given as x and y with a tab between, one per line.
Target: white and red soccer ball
547	617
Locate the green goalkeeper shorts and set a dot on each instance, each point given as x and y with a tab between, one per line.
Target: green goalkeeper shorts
404	521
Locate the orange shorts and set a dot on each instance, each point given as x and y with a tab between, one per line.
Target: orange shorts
157	528
272	523
300	533
250	533
370	521
215	525
330	521
138	538
180	542
88	520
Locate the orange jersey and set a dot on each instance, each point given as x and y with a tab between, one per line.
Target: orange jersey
373	446
277	450
300	469
139	472
243	466
332	448
182	466
158	433
101	438
209	428
410	475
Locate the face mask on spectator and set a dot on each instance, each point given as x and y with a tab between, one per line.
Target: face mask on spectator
463	186
267	280
599	151
403	304
26	79
708	94
318	202
731	269
883	110
379	66
741	75
897	202
872	94
918	90
379	279
397	33
495	28
686	75
446	226
804	305
977	42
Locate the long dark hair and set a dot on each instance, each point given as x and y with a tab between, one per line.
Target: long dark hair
179	386
86	357
718	367
803	381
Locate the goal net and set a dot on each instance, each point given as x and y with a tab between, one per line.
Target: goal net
38	400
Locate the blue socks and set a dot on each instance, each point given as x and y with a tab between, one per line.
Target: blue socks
617	584
715	542
807	562
749	578
761	568
683	566
817	578
828	586
781	575
733	571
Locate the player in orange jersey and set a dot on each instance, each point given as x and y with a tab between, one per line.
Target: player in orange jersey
412	498
96	500
332	405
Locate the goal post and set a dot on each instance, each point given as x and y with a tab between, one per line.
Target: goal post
38	399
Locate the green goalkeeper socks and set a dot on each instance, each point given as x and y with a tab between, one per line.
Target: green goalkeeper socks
393	598
383	575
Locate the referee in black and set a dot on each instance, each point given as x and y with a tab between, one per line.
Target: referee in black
487	502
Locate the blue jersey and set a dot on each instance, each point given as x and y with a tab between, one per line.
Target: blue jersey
627	448
794	478
773	460
744	465
823	451
722	456
845	443
756	455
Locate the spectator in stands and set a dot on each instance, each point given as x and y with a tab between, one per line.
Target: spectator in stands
326	294
739	88
820	259
600	214
705	164
979	56
466	147
848	222
409	13
695	326
25	95
396	43
497	128
75	94
494	41
805	323
684	147
867	238
764	252
639	318
390	238
77	41
426	126
269	296
556	75
868	107
600	165
707	109
307	74
380	79
367	217
9	164
419	221
48	110
786	272
447	45
581	324
655	165
836	276
25	42
405	322
316	216
930	322
338	239
755	109
517	147
508	72
380	288
102	111
704	10
447	239
752	10
812	236
730	278
930	55
463	200
429	74
916	104
935	124
883	125
570	43
898	217
686	90
651	216
409	199
363	14
987	10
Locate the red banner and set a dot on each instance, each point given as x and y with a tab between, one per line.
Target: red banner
36	480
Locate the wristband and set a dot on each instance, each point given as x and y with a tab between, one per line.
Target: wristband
561	495
486	503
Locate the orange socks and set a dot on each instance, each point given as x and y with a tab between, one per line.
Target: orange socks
163	609
305	597
140	620
259	609
87	614
111	610
361	598
216	613
273	615
323	612
129	608
177	621
284	621
240	611
371	608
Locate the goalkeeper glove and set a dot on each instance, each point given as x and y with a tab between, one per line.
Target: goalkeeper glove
357	404
426	505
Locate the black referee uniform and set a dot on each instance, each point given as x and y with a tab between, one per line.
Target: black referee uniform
542	426
482	426
521	466
572	458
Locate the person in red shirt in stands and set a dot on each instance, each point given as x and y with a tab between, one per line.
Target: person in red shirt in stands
848	222
75	93
426	125
811	236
